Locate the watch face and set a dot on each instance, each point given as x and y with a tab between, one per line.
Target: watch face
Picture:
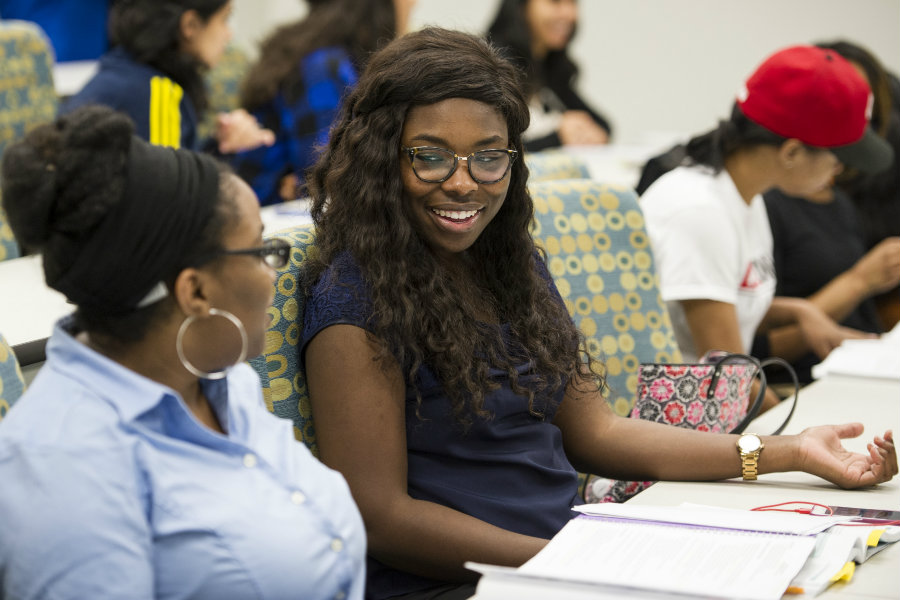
749	443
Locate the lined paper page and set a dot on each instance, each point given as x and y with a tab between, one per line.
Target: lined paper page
673	557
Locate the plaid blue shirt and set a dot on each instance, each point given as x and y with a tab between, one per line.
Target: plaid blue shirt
301	115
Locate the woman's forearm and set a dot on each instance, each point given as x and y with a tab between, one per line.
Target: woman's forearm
435	541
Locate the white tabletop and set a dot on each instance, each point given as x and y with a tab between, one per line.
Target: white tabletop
834	399
621	164
613	164
284	215
28	308
69	77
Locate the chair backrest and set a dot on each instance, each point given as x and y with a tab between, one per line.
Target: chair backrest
27	95
279	368
8	246
12	383
223	86
599	255
555	164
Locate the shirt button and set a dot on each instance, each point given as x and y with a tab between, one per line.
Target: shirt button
298	498
249	460
337	544
340	596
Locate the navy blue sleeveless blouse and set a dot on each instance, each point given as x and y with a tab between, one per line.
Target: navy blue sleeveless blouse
509	470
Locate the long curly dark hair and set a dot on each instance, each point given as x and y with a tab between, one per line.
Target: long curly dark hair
150	30
509	31
418	315
358	26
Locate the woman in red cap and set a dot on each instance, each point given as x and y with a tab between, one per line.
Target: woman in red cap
799	118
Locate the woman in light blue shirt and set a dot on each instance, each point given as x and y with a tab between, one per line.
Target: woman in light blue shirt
141	462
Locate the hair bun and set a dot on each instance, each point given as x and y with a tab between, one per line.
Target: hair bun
63	177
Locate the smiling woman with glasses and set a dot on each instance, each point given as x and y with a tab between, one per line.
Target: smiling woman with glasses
171	479
447	379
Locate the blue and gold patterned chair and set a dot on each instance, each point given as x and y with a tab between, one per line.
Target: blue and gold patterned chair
554	164
599	256
8	246
279	368
223	86
27	95
12	383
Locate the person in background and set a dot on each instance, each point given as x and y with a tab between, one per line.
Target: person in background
535	35
295	87
707	221
154	73
820	246
76	28
877	195
142	462
448	381
819	254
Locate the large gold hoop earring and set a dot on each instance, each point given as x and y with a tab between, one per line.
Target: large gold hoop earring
179	344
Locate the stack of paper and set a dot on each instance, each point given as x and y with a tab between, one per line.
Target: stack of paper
837	552
651	551
878	358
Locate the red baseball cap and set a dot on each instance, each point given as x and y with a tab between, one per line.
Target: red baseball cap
818	97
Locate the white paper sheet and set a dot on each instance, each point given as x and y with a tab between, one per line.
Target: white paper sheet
677	558
714	516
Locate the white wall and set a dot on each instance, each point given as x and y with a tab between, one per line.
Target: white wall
659	67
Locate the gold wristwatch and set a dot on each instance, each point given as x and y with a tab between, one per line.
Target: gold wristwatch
749	446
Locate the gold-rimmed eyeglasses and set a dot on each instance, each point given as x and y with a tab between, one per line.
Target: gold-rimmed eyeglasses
436	165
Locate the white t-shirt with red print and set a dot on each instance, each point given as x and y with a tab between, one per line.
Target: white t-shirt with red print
709	245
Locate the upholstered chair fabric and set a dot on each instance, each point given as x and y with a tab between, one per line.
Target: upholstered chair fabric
279	368
599	256
554	164
223	86
27	95
12	383
8	246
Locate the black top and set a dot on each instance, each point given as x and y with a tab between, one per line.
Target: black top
813	244
572	101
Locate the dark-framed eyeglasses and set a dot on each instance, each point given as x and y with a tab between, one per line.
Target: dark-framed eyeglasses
436	165
276	252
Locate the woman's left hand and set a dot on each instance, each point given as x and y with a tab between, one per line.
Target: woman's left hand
239	130
822	454
821	333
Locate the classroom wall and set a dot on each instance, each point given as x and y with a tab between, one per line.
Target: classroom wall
660	69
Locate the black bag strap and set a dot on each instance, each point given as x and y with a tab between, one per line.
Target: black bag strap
786	366
754	408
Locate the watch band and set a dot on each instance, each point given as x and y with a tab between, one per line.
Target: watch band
748	465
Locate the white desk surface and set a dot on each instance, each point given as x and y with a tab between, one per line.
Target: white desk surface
286	214
28	308
69	77
621	164
832	400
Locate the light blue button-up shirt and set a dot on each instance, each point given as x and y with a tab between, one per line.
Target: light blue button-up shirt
110	488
